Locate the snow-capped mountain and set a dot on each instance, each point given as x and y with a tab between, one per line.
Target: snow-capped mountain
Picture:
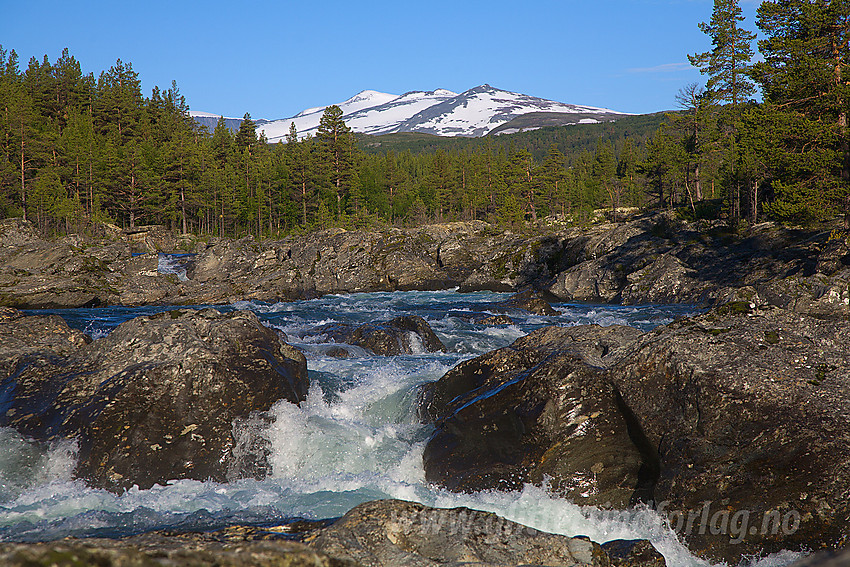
478	111
473	113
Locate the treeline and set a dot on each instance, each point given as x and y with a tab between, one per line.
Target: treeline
79	150
786	158
76	150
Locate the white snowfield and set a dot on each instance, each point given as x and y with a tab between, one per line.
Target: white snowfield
472	113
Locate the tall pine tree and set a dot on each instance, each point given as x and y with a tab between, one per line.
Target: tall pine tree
337	153
805	75
727	63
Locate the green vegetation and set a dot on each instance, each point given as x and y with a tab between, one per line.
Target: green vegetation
75	149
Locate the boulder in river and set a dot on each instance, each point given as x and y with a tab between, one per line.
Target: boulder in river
541	407
536	302
164	550
733	423
385	533
405	334
156	399
748	412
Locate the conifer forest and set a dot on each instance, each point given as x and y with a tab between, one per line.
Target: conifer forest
764	138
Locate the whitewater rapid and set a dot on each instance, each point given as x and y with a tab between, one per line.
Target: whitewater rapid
355	438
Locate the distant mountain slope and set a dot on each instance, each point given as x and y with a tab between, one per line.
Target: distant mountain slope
476	112
210	120
537	120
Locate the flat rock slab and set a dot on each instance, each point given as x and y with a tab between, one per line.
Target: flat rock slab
388	533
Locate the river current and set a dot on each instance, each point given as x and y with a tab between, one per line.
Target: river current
356	437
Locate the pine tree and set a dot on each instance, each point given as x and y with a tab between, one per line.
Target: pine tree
658	163
604	171
728	66
300	155
246	136
440	184
551	179
728	62
627	166
695	129
119	102
337	153
518	175
394	177
805	75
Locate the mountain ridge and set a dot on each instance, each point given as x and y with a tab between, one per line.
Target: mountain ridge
473	113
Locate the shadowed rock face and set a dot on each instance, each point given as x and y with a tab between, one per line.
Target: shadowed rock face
739	414
839	558
648	259
531	301
165	550
28	340
748	410
540	408
156	399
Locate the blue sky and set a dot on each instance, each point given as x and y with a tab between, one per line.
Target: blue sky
274	59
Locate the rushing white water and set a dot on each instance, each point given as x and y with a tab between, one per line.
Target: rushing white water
173	264
356	437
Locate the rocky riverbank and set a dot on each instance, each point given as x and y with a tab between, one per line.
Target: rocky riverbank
650	259
387	533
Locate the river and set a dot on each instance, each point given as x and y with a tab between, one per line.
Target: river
356	437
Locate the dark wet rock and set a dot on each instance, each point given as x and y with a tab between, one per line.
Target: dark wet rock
531	301
60	273
494	320
665	280
633	553
834	257
389	338
594	280
817	295
539	408
396	533
33	340
662	259
386	533
508	261
142	284
150	238
839	558
330	261
15	232
155	400
653	258
337	352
